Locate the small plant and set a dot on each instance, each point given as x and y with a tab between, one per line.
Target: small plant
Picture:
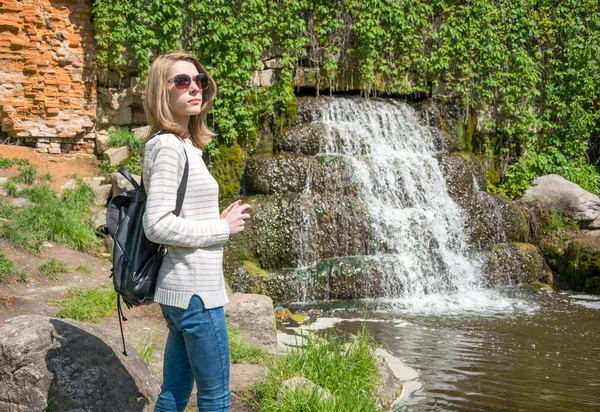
345	368
47	178
242	351
52	268
146	347
123	137
88	305
27	174
83	269
23	278
11	188
8	268
8	163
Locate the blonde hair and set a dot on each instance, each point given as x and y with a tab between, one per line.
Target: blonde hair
156	102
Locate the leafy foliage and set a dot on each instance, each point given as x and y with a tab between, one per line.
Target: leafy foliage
530	65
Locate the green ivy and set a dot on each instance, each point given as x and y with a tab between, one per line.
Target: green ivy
531	66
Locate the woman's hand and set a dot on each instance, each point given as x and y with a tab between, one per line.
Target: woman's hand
236	215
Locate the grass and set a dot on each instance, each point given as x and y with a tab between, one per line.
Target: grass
88	305
242	351
124	137
53	267
27	174
8	163
66	218
8	268
344	367
83	269
146	347
11	188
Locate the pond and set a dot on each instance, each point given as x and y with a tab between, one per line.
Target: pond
501	350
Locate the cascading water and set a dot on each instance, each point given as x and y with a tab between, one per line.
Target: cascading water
418	230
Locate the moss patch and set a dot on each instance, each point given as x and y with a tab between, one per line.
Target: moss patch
226	166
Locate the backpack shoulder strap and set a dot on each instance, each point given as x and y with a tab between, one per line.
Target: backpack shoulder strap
183	184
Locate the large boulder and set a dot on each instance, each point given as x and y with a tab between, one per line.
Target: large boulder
63	365
253	315
553	192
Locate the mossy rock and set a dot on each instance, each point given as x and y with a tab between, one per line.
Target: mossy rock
516	263
281	173
580	266
490	218
303	139
226	166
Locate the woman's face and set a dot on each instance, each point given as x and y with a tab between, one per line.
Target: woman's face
184	102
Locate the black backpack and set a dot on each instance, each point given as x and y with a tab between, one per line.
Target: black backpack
136	260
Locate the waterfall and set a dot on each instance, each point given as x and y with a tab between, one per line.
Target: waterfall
418	230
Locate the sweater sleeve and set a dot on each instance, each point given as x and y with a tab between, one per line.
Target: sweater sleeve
160	224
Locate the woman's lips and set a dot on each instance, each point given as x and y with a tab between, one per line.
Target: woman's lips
194	101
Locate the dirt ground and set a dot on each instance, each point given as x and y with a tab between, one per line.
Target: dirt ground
39	294
63	167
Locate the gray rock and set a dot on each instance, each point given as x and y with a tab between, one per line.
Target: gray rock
390	386
141	132
276	63
253	315
553	192
59	364
102	138
267	77
100	218
116	155
3	180
300	383
115	98
103	194
20	202
121	185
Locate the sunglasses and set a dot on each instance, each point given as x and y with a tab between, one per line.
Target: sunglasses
183	81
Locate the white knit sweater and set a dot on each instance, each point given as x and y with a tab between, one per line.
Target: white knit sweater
194	262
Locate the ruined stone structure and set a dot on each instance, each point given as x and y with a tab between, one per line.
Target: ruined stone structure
47	74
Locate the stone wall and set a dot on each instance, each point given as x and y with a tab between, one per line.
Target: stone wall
47	74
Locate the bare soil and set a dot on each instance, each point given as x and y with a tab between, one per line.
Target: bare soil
62	167
39	294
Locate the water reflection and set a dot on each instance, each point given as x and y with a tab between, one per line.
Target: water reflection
540	354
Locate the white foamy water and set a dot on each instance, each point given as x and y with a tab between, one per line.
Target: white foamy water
423	254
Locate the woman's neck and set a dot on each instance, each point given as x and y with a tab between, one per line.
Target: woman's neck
182	121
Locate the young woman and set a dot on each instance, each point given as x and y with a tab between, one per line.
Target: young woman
190	286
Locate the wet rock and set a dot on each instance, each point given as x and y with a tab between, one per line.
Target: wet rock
116	155
553	192
276	174
580	265
303	139
63	365
253	315
390	387
490	218
515	263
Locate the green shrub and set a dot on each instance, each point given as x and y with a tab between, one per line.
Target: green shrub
66	219
347	370
8	163
88	305
8	268
53	267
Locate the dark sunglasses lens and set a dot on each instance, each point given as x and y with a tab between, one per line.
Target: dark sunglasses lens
182	81
201	81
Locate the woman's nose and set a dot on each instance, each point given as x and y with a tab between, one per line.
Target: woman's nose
193	87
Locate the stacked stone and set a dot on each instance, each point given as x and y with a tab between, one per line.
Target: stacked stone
47	76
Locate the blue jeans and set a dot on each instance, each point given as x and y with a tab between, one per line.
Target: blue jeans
197	349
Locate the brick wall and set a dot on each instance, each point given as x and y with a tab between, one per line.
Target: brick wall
47	73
